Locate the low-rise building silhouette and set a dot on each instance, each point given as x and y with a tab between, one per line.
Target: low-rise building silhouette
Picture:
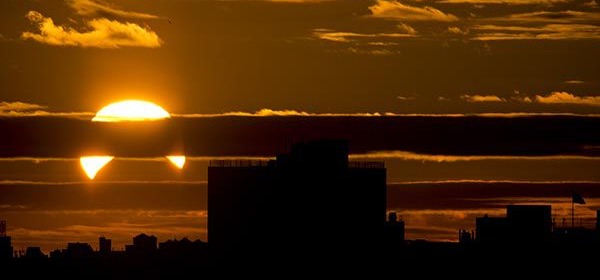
143	244
522	224
34	253
394	230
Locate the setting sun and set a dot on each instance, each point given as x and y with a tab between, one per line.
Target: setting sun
92	164
131	110
178	161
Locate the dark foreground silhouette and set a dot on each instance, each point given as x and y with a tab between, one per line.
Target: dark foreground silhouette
309	212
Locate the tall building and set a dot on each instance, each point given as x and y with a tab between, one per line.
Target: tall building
104	245
310	199
6	249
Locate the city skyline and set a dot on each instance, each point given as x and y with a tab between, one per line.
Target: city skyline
116	116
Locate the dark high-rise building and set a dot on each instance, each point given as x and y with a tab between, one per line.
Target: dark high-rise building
6	249
598	220
310	199
104	245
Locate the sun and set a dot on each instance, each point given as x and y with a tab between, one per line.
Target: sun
92	164
126	111
131	110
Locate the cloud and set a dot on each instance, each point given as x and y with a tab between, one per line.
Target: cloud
344	37
508	2
574	82
405	155
19	106
396	10
24	109
283	113
482	98
545	32
457	30
100	33
568	98
406	29
553	16
405	98
100	8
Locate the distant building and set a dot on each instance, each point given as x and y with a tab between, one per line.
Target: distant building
142	244
522	224
530	223
104	245
182	248
78	250
6	249
465	236
309	199
394	230
34	253
598	220
491	229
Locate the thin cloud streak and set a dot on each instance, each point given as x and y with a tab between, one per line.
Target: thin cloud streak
482	98
98	8
405	155
430	182
50	183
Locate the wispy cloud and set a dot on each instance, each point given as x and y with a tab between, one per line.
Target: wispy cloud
568	98
100	33
482	98
337	36
100	8
24	109
19	106
458	30
406	155
507	2
396	10
574	82
282	113
566	16
545	32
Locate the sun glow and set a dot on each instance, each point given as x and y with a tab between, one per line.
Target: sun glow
131	110
178	161
92	164
124	111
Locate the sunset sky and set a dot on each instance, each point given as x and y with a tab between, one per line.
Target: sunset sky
472	104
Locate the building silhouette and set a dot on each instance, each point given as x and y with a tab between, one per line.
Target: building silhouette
104	245
394	230
34	253
523	224
312	199
143	244
6	249
77	250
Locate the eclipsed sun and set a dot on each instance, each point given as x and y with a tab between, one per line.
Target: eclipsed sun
126	111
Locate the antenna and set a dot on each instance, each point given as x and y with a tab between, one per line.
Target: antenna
2	228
